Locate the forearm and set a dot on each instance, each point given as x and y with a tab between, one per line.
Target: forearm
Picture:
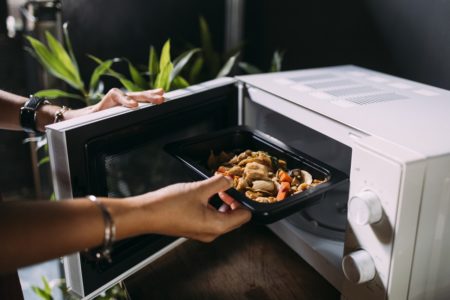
10	105
38	231
10	112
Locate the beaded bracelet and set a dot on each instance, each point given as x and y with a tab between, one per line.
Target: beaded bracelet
110	231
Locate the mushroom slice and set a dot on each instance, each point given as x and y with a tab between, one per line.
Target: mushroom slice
296	181
295	173
306	176
264	186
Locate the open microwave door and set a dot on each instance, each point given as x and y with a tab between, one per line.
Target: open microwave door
118	153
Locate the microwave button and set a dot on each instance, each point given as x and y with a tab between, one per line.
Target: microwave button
358	267
365	208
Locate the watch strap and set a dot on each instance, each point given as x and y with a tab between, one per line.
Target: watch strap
28	113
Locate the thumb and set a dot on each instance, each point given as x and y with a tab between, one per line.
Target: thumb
215	184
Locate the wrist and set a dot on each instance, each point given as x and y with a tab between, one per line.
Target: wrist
28	115
74	113
128	216
45	115
147	213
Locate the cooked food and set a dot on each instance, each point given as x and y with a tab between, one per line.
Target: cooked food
262	177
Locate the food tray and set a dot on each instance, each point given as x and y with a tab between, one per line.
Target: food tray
194	152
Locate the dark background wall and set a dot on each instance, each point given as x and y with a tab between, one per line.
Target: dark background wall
409	38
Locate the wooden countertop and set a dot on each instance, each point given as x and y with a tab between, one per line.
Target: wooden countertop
249	263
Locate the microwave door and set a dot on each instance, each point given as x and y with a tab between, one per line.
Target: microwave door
119	153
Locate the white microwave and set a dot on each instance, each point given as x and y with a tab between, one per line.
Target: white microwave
384	235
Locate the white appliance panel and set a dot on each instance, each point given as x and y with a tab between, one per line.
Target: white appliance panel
403	112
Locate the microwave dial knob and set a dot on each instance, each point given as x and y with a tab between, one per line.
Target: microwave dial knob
365	208
358	267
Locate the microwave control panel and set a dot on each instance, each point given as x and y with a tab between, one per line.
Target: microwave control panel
374	193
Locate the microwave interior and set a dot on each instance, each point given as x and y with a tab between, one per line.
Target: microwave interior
123	155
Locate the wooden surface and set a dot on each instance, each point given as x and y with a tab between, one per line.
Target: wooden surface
249	263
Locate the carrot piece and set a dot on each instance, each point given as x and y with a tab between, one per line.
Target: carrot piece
283	191
221	169
284	177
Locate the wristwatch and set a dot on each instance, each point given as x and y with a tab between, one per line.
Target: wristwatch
28	113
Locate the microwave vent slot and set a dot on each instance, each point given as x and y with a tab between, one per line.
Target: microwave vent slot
352	91
313	77
331	84
365	100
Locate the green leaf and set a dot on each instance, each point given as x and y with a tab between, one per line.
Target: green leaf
95	58
128	84
249	68
53	197
52	64
229	65
196	69
44	161
165	56
101	69
277	60
212	58
153	67
162	80
55	93
61	54
69	44
47	287
41	293
181	61
179	83
136	76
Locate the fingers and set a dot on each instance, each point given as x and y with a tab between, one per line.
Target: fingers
214	185
120	98
224	208
232	219
233	204
116	97
151	96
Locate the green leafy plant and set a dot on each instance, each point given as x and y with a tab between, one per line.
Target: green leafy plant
44	292
275	66
160	73
116	292
210	63
60	62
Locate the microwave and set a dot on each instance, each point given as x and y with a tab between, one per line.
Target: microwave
383	235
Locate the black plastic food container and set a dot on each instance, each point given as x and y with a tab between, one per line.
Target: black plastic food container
194	153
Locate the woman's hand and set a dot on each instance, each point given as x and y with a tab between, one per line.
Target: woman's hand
183	210
116	97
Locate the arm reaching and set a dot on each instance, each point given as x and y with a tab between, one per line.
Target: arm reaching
35	231
10	105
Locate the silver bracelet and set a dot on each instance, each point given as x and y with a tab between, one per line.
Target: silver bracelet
110	231
59	115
